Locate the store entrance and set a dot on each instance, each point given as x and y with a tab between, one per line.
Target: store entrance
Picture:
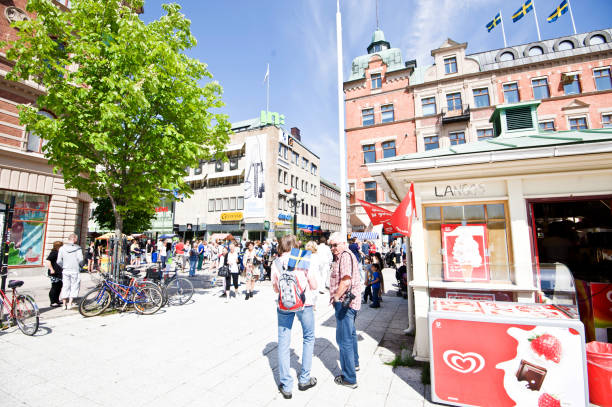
576	232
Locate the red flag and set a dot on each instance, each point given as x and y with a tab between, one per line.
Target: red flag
376	214
388	228
401	220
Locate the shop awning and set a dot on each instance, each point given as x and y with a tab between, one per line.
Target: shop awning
234	147
365	235
221	236
226	174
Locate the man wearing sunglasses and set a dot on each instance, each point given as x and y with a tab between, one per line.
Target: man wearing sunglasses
345	296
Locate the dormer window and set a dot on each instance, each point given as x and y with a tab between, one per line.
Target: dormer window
376	80
377	48
450	65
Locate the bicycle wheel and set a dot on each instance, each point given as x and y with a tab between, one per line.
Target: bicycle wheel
148	299
180	290
26	314
95	302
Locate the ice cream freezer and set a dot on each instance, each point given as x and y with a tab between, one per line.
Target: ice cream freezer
486	353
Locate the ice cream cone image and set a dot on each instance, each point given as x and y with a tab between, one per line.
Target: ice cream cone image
466	253
466	271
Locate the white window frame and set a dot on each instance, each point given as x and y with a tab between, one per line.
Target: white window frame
578	116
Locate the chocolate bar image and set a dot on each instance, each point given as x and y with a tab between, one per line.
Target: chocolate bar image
532	374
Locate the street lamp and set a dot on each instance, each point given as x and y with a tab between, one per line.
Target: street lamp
294	203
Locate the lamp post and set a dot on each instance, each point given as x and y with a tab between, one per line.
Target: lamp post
294	203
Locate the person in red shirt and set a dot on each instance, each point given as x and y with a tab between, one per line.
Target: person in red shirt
372	248
179	253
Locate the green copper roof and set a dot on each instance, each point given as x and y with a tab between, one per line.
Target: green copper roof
543	139
391	57
378	36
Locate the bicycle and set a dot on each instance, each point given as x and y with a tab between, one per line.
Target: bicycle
176	290
21	309
147	299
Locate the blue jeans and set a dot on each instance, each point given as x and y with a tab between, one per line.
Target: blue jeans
285	322
375	295
346	338
193	262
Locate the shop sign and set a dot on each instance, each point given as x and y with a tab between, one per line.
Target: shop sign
459	190
509	368
274	118
161	209
601	293
231	216
283	216
266	225
465	249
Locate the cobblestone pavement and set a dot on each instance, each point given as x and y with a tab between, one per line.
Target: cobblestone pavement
205	353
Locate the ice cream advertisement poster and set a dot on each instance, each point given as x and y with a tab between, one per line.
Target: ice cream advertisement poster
465	252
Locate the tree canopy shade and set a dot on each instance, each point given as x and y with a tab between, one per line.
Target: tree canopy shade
130	114
134	221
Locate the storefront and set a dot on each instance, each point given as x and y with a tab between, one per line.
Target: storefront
488	211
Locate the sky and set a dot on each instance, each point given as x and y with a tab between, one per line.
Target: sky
238	38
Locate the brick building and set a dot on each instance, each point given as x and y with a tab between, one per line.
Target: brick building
45	210
450	102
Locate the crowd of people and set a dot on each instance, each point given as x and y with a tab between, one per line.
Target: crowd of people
351	274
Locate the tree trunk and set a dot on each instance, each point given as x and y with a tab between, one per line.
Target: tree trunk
117	249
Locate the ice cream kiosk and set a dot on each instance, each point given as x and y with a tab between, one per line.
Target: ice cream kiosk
502	353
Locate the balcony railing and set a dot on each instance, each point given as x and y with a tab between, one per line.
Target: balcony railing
455	113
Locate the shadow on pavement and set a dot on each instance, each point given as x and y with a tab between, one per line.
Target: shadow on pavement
270	351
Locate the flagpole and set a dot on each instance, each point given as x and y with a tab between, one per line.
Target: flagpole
569	4
341	135
268	91
503	29
535	16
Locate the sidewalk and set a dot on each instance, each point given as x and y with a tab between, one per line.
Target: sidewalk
206	352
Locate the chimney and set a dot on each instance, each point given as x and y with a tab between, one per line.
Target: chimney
295	132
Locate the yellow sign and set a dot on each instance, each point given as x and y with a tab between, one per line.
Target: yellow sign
231	216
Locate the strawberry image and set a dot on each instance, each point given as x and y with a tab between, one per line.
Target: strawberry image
546	400
547	346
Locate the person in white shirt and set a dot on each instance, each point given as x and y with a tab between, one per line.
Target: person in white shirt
326	257
285	322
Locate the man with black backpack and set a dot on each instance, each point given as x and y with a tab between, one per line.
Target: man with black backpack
295	288
345	296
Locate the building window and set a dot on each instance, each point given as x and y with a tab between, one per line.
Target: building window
367	117
232	203
387	113
578	123
35	143
606	120
369	154
280	202
481	97
218	204
547	125
565	45
571	84
240	203
211	205
370	191
280	176
376	80
29	227
540	88
450	65
431	143
506	56
511	93
225	204
602	79
597	39
484	134
285	177
388	149
457	138
429	106
219	166
453	101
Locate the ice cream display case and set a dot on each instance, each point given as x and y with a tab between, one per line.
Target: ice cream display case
500	353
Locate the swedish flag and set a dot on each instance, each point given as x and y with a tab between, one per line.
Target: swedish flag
561	9
525	8
493	23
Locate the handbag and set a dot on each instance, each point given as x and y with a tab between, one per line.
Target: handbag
223	271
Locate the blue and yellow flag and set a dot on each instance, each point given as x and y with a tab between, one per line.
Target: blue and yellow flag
525	8
562	9
493	23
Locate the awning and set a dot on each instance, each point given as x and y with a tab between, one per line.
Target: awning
234	147
365	235
220	236
226	174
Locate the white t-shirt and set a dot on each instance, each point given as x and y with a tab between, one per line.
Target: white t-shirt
325	254
305	282
232	260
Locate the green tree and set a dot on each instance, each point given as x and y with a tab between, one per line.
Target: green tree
135	220
130	114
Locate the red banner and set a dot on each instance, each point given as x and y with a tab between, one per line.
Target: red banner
401	220
376	214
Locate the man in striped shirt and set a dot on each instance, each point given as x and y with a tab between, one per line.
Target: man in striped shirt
345	277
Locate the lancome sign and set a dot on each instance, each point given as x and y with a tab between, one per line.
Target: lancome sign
460	190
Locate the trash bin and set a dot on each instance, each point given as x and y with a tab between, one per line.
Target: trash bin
599	365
